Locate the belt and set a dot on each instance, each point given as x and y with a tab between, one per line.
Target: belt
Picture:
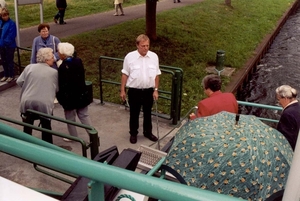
137	89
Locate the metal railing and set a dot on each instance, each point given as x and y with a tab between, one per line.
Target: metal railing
270	107
93	136
19	62
174	95
93	133
101	173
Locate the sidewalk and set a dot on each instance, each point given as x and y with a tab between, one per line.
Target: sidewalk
96	21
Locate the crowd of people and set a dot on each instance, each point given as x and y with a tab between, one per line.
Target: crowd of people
53	64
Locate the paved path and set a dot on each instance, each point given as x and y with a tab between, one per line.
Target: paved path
96	21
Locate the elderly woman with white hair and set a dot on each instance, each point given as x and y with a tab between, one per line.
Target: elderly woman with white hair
72	94
289	122
39	84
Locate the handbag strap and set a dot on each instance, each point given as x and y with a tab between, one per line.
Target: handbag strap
174	173
54	45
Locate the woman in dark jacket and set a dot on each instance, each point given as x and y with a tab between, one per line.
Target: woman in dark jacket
289	123
72	94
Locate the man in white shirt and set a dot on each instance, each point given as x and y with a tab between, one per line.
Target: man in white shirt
140	74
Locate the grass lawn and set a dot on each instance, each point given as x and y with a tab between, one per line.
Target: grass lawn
29	14
188	38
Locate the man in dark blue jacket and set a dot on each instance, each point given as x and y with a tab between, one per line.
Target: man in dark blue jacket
61	6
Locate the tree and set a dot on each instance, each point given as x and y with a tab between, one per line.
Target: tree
151	19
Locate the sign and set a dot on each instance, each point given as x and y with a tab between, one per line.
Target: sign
26	2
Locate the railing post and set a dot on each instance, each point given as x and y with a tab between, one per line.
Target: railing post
95	143
176	97
19	60
100	81
96	191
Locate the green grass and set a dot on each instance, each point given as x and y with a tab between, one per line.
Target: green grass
29	14
187	38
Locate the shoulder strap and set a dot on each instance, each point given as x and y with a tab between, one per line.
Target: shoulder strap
54	45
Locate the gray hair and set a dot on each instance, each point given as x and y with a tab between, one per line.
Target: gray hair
286	91
66	49
141	37
212	82
44	54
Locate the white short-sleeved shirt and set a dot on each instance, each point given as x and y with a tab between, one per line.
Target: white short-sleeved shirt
141	70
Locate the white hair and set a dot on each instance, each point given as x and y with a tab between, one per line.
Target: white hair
286	91
66	49
44	54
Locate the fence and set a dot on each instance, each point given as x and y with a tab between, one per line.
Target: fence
174	95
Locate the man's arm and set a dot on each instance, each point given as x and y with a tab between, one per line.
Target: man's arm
155	93
123	85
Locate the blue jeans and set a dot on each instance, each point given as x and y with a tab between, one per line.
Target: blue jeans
7	57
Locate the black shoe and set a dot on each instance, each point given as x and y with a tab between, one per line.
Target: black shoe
151	137
63	23
133	139
55	20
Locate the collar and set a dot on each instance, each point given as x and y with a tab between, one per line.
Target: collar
215	93
68	59
294	101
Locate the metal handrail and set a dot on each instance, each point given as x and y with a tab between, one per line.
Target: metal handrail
93	133
175	93
271	107
101	174
19	64
59	134
94	140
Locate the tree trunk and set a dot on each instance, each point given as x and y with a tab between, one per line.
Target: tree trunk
228	2
151	19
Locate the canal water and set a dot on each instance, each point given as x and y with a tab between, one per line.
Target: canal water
281	65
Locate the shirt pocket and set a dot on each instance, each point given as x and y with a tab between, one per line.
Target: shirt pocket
135	71
152	71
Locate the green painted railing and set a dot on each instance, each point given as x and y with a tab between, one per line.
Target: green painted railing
100	174
269	107
174	95
93	136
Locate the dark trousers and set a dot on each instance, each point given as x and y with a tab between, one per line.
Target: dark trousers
140	98
45	123
7	57
60	15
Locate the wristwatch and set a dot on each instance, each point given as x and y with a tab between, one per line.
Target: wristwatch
155	89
